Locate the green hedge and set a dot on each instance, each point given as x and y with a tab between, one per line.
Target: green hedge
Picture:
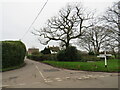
50	57
85	58
13	53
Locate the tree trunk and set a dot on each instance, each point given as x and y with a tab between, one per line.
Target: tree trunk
119	31
67	44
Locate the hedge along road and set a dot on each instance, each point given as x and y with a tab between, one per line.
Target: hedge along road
39	75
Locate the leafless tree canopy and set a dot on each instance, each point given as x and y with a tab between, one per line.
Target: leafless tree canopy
66	26
94	38
112	20
106	30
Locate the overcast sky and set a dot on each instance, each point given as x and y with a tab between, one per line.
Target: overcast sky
17	15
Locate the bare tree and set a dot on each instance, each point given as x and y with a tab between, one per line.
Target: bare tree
112	47
94	38
112	20
68	25
85	42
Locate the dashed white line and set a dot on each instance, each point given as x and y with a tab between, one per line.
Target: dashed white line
89	75
79	78
57	78
49	81
67	77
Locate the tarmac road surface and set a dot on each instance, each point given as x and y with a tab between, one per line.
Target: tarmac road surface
39	75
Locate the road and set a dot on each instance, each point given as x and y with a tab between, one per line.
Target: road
39	75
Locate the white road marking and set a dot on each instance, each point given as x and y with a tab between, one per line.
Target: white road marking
85	77
89	75
57	78
49	81
46	80
79	78
94	76
40	73
68	77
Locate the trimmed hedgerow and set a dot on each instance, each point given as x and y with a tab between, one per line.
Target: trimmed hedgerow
50	57
13	53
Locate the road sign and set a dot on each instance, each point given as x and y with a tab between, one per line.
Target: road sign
105	56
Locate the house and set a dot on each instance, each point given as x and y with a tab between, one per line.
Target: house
32	50
54	49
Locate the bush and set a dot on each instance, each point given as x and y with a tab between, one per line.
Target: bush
50	57
91	53
69	54
86	58
35	57
13	53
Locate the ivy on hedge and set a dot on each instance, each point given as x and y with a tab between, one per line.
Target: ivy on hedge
13	53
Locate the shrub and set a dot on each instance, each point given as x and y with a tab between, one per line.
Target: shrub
34	57
13	53
69	54
50	57
86	58
91	53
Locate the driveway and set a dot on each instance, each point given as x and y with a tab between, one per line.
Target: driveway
39	75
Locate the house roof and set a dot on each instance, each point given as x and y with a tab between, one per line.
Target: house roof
33	49
54	49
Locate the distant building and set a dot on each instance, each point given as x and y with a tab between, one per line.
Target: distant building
54	49
32	50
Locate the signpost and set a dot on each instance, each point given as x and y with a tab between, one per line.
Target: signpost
105	59
105	52
105	56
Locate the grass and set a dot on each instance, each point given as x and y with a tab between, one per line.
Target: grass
12	68
88	66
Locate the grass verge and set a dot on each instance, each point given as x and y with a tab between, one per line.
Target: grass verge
12	68
113	65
